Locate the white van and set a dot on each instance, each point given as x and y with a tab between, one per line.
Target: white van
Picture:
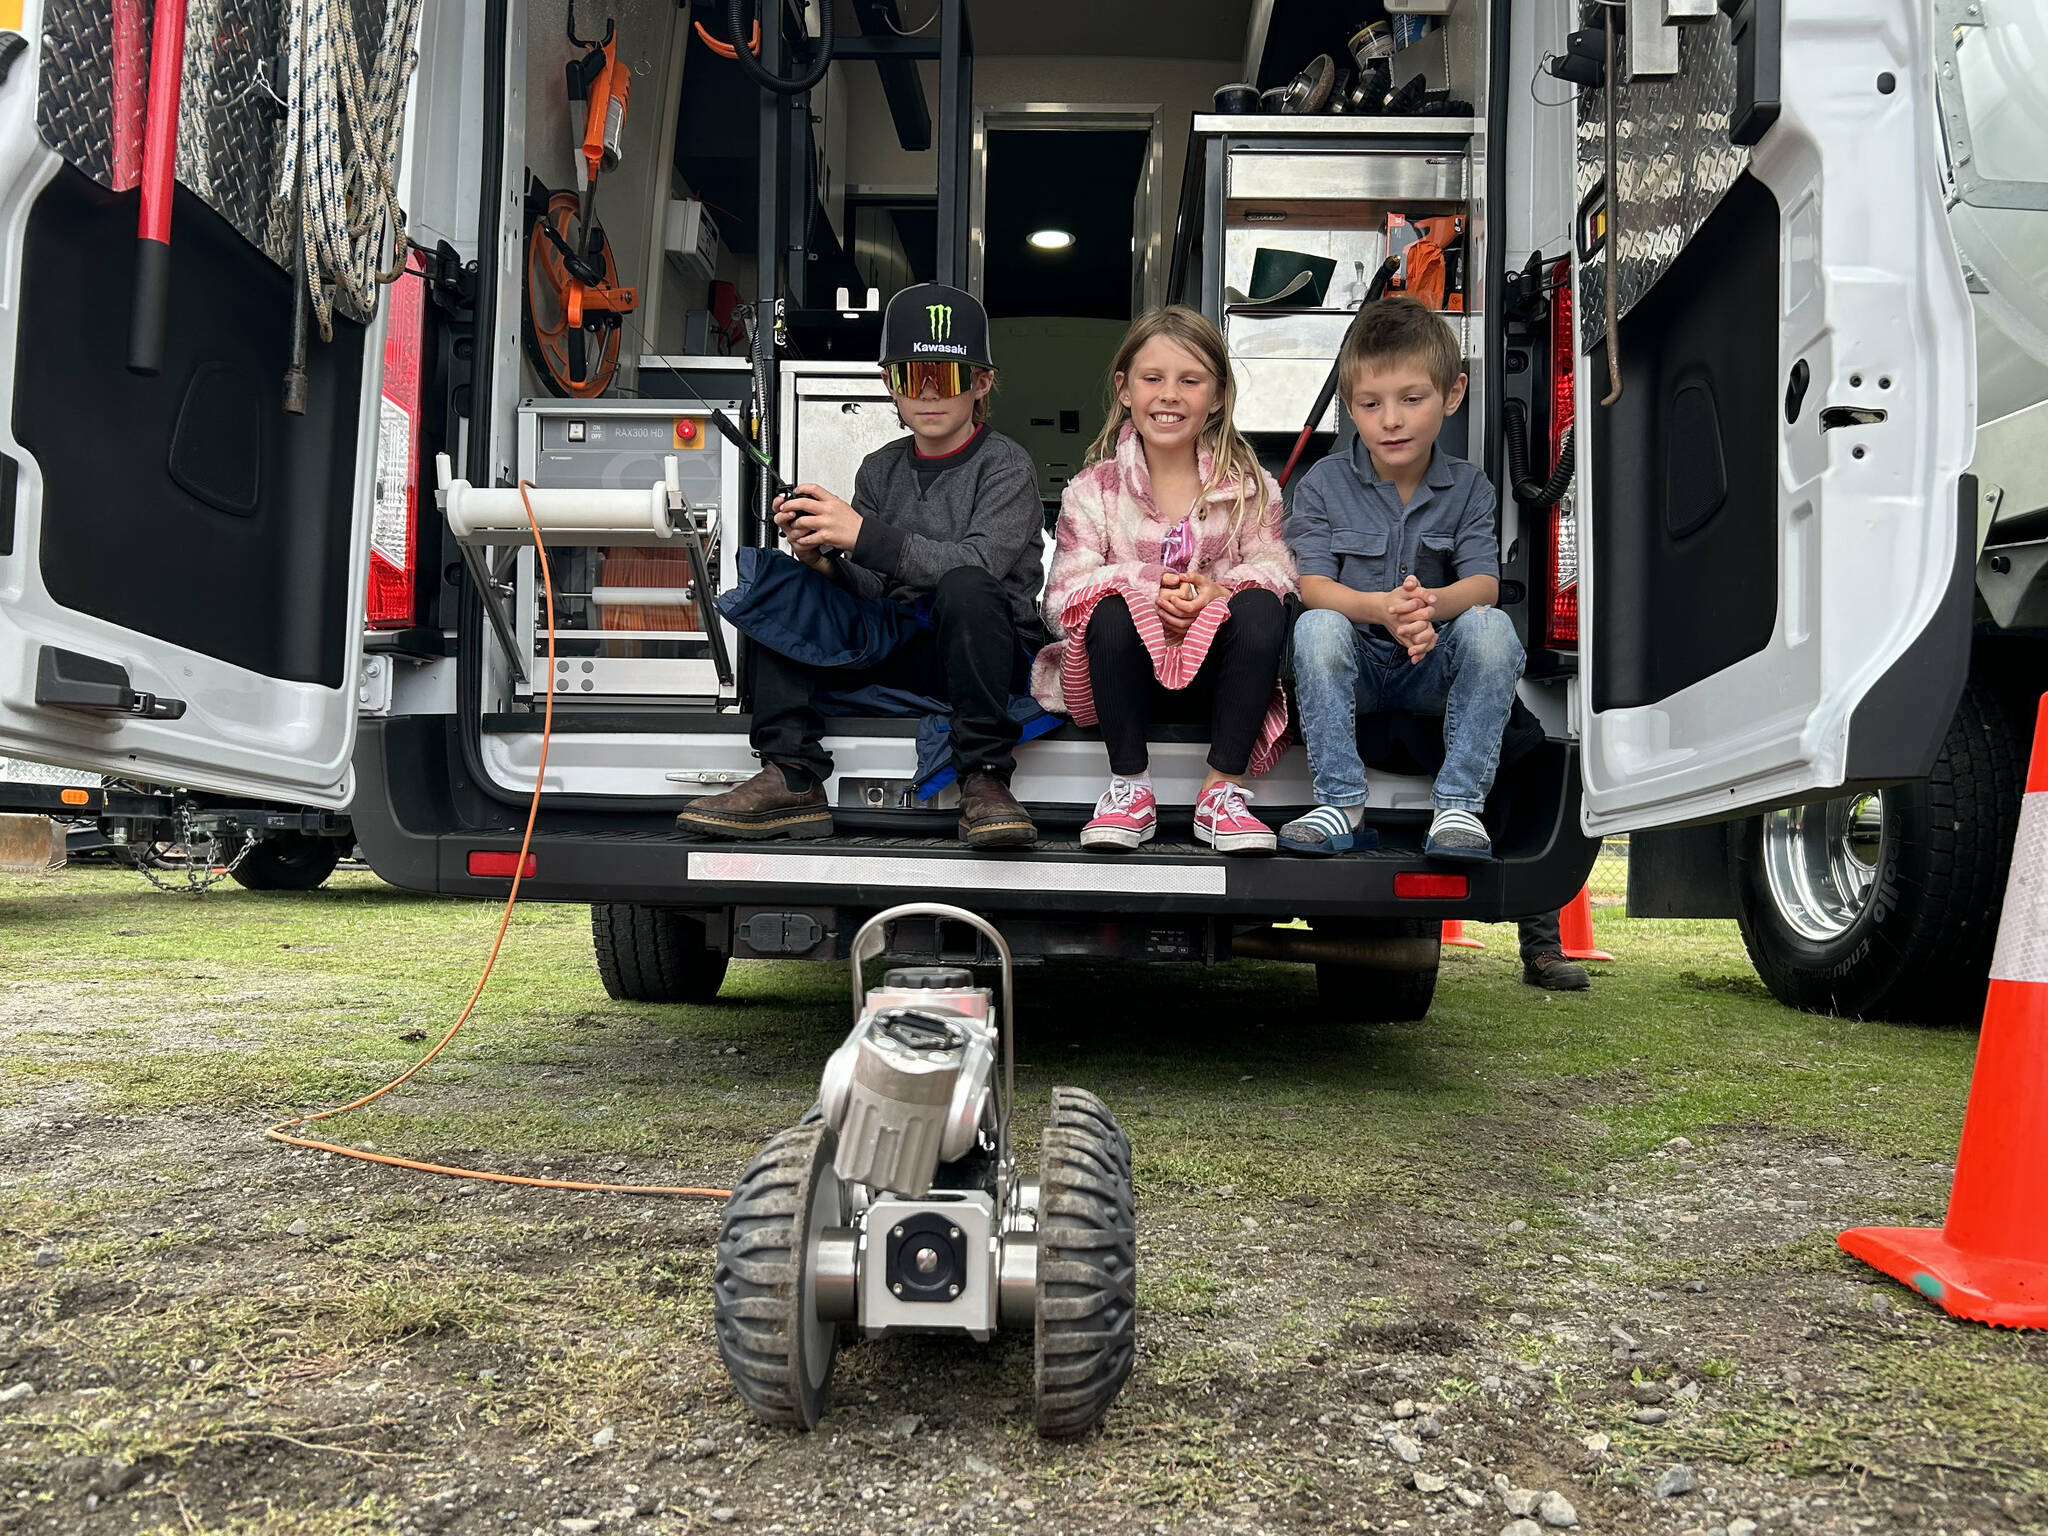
1756	587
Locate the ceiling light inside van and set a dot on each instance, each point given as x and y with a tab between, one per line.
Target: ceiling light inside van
1050	239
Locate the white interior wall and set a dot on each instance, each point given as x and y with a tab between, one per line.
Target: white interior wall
1540	193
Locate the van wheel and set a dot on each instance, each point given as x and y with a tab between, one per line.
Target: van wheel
1885	904
289	861
654	954
1373	994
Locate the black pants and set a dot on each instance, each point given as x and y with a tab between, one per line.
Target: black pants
971	657
1230	693
1540	936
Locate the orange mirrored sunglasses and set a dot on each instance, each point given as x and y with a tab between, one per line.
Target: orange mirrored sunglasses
912	379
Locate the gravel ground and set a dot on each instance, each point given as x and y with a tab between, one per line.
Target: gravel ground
1536	1263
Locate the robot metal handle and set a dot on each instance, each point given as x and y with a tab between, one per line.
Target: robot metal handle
868	943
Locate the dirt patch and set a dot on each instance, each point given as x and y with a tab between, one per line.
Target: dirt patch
1427	1336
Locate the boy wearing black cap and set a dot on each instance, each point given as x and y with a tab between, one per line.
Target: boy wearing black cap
950	513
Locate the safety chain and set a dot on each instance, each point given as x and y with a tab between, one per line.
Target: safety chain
201	874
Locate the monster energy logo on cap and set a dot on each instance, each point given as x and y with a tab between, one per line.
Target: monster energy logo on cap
938	322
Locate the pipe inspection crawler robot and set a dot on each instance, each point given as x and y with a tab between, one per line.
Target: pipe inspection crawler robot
895	1206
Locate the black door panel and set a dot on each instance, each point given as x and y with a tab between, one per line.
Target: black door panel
187	506
1685	465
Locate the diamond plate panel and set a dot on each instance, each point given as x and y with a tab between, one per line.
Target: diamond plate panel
14	770
231	114
1672	165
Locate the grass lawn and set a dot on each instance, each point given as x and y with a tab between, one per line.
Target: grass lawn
270	1339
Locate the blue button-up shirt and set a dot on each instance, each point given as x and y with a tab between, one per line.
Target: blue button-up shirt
1348	523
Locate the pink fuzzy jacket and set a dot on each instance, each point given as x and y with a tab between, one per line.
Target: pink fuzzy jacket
1111	538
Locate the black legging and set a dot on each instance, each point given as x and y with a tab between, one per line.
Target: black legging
1235	683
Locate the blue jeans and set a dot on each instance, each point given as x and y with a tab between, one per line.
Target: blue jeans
1469	679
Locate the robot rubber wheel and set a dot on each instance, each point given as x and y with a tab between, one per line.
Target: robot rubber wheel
764	1305
1085	1324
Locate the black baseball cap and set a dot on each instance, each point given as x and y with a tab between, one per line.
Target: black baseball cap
935	323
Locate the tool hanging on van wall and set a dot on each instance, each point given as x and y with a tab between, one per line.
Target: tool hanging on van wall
159	179
573	293
573	297
601	86
337	182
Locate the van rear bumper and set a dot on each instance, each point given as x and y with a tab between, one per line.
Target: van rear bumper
419	819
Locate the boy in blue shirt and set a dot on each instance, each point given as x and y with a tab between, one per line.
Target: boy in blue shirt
1400	569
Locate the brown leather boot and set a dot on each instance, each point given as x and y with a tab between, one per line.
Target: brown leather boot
1553	973
765	806
990	816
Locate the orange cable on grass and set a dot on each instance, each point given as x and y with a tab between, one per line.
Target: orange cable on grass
278	1131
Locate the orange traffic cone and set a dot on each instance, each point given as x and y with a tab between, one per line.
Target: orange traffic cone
1989	1262
1454	936
1575	928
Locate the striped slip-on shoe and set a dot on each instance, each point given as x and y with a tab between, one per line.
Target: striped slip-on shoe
1324	831
1457	835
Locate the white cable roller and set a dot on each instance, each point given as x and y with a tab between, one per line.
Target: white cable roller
478	512
641	597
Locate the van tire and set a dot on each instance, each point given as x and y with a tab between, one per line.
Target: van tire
289	861
1919	951
654	954
1371	994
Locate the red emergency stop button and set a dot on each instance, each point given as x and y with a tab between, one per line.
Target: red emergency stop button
688	432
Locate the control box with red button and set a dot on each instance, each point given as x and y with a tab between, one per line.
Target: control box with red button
628	625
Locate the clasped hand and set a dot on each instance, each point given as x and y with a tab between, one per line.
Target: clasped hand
815	522
1182	597
1411	616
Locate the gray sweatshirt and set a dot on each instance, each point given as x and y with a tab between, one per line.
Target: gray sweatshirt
922	517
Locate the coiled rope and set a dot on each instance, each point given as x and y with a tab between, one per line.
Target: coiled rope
342	142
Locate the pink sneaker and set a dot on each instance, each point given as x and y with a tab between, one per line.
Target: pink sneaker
1225	822
1126	816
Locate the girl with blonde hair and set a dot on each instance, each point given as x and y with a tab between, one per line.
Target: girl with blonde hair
1167	587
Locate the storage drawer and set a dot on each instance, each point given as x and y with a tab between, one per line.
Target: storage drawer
1274	393
1348	174
1315	333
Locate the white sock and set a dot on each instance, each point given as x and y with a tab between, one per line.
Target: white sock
1142	780
1356	813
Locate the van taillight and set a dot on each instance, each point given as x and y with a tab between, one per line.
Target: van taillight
1561	613
1414	884
394	526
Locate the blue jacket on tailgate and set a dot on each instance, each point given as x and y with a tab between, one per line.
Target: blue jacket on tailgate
784	605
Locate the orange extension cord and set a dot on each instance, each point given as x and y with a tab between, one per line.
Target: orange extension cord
725	50
278	1131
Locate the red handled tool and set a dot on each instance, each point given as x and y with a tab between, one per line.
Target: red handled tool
1376	289
159	179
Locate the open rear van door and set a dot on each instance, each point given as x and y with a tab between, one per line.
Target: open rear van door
1777	559
182	563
